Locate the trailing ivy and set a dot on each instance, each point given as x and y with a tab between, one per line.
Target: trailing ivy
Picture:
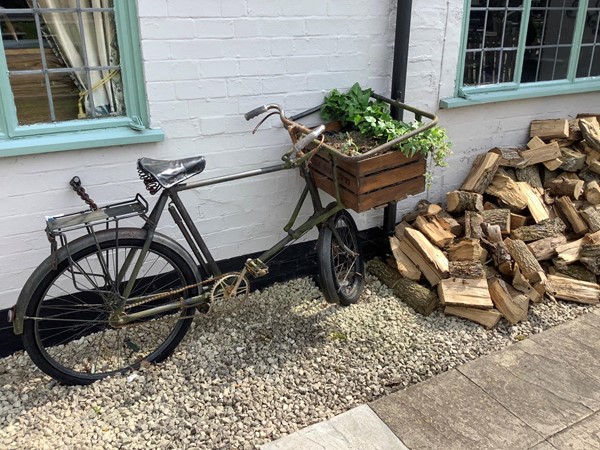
355	110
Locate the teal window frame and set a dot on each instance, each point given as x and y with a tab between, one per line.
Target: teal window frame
88	133
473	95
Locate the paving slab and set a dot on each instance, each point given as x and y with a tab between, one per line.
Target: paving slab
357	429
536	386
584	435
451	412
591	318
544	445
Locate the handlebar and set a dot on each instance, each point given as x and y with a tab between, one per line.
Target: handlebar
309	138
255	112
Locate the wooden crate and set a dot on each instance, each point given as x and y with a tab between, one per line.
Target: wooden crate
372	182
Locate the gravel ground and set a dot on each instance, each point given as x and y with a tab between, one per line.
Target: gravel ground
281	361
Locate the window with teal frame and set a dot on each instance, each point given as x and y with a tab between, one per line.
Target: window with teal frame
71	76
514	49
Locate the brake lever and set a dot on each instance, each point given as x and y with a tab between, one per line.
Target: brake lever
263	121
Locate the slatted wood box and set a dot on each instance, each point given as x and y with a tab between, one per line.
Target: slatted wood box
371	182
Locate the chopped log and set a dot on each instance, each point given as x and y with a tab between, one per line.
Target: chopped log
591	215
453	226
553	164
587	176
590	256
463	292
591	154
403	264
548	129
483	170
508	191
591	132
572	290
594	166
531	175
466	269
432	227
473	223
535	142
500	217
545	249
415	295
467	250
592	192
576	271
575	131
573	161
547	228
423	208
566	207
540	154
432	275
489	205
399	230
529	266
500	254
433	254
489	318
570	252
521	284
513	305
517	221
509	157
564	186
536	206
460	201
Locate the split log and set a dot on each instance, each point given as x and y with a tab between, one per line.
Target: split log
548	129
508	191
466	269
521	284
592	192
535	142
547	228
587	176
529	266
460	201
463	292
513	305
536	206
574	131
576	271
595	166
509	157
473	223
489	318
530	175
564	186
565	205
433	254
591	215
516	221
590	256
572	290
540	154
415	295
570	252
432	227
500	254
423	208
553	164
489	205
403	264
483	170
432	275
399	230
591	132
500	217
467	250
453	226
545	249
573	161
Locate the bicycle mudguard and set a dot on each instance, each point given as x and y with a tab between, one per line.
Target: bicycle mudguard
46	267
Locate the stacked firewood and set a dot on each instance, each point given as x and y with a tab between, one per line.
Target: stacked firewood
524	225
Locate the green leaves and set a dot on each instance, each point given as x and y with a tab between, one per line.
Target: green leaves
355	110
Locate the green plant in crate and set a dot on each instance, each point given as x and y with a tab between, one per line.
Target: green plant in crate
356	111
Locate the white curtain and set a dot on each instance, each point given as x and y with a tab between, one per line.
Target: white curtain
99	35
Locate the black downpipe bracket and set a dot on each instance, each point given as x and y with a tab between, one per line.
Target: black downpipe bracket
399	74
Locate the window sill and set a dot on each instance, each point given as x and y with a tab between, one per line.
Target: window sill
520	94
78	141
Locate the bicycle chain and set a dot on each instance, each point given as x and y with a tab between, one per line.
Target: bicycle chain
78	188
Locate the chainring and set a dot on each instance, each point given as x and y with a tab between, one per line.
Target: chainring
224	289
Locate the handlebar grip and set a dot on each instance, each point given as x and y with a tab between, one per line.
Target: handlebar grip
255	112
309	138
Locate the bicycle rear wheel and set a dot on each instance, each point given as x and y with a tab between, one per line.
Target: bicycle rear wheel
341	264
69	329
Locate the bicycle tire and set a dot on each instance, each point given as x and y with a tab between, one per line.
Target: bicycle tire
75	352
341	276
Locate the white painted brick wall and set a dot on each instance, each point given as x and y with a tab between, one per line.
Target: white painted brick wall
208	62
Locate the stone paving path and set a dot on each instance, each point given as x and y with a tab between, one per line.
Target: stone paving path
542	393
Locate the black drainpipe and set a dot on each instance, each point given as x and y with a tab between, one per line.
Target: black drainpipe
399	71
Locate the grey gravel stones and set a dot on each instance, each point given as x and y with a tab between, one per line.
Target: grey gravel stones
281	361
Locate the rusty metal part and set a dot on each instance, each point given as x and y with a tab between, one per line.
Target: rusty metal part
78	188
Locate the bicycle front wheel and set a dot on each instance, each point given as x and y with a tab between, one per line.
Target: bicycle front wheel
341	264
70	330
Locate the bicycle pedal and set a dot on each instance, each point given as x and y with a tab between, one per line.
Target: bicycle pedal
256	268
